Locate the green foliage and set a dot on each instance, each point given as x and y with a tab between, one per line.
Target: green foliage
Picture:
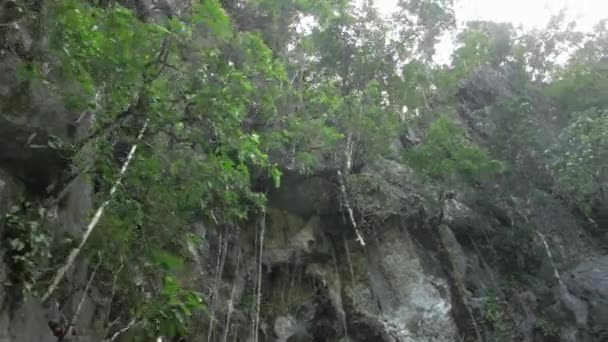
28	248
579	159
493	309
195	82
546	327
235	92
577	89
170	313
105	49
211	15
446	153
516	250
496	314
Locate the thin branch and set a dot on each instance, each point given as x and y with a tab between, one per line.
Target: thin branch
231	300
122	331
254	288
111	324
113	293
74	253
259	280
219	270
161	59
84	294
12	23
596	178
350	262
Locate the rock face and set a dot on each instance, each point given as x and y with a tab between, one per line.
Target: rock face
385	292
35	128
415	280
589	282
27	321
414	303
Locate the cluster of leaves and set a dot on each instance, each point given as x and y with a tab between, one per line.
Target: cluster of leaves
517	251
552	117
169	314
195	83
445	153
28	248
579	162
101	52
495	313
547	328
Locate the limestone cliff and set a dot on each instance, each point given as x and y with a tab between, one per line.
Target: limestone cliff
468	271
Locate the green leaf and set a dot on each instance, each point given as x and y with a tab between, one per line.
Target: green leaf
276	176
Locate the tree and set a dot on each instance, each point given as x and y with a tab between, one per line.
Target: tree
579	159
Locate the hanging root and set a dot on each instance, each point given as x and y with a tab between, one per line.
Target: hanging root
259	280
231	300
85	292
62	329
351	215
113	293
348	164
350	262
219	269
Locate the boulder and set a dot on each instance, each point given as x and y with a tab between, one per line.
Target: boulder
589	282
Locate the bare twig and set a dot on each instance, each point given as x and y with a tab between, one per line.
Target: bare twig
219	269
253	294
122	331
259	280
74	253
113	293
84	295
231	300
12	23
350	262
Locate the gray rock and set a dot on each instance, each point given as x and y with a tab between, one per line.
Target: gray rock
29	323
455	252
9	192
74	214
589	282
484	86
414	305
288	237
10	189
304	195
284	328
577	307
462	219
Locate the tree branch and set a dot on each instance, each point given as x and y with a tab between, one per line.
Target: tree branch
74	253
72	323
122	331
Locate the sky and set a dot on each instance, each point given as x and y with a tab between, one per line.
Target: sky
530	14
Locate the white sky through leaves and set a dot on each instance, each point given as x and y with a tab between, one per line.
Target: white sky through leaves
530	14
